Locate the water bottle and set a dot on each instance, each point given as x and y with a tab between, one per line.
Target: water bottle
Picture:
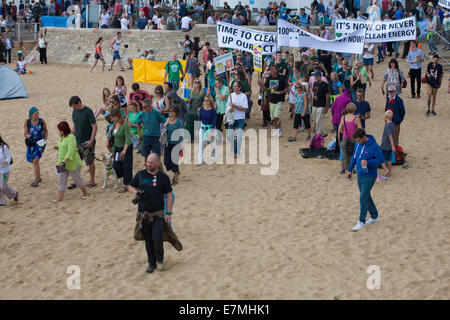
364	169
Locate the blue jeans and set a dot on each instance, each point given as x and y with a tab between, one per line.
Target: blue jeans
365	184
380	54
238	127
431	44
395	46
150	144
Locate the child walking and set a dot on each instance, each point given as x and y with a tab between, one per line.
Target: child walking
387	142
135	128
301	112
5	168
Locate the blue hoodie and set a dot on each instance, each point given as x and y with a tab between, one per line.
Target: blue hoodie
369	151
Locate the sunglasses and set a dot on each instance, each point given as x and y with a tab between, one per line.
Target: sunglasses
391	91
197	82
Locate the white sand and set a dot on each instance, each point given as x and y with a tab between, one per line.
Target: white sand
245	236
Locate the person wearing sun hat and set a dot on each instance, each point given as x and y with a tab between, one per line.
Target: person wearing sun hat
36	133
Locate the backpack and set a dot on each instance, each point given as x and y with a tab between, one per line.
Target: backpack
316	142
399	156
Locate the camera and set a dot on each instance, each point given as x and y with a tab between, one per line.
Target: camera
140	195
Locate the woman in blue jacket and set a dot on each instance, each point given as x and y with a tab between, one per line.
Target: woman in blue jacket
367	157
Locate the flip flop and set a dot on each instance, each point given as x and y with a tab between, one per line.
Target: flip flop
72	186
91	185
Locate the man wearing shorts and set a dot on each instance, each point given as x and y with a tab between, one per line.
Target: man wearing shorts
434	75
150	120
368	56
85	130
173	69
115	47
277	87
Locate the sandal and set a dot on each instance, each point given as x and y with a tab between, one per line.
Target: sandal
84	197
72	186
35	184
91	185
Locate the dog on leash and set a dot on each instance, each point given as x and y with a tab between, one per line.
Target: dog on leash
108	160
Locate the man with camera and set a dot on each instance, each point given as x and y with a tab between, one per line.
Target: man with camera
149	187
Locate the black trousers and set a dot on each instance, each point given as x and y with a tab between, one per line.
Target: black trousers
43	55
406	48
416	75
153	236
219	121
124	168
8	55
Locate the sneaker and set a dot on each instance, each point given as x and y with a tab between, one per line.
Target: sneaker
130	68
370	221
122	69
160	266
433	113
110	69
427	113
342	171
150	269
358	226
291	139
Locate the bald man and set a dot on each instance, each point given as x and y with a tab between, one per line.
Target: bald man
155	185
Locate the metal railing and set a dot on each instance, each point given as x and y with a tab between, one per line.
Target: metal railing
26	32
440	53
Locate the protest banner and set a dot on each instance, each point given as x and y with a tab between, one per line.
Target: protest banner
231	36
224	63
257	59
444	3
352	43
422	25
379	31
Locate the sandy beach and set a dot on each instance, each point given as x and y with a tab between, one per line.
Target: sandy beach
245	235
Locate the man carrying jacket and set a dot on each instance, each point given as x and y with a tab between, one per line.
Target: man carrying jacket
395	104
367	157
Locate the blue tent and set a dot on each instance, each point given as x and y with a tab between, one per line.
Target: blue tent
12	86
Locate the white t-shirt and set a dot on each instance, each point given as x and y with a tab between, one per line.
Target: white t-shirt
104	18
368	55
22	64
158	22
5	155
241	101
42	43
158	104
124	23
185	21
210	20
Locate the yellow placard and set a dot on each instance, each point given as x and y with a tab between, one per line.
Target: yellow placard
151	71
